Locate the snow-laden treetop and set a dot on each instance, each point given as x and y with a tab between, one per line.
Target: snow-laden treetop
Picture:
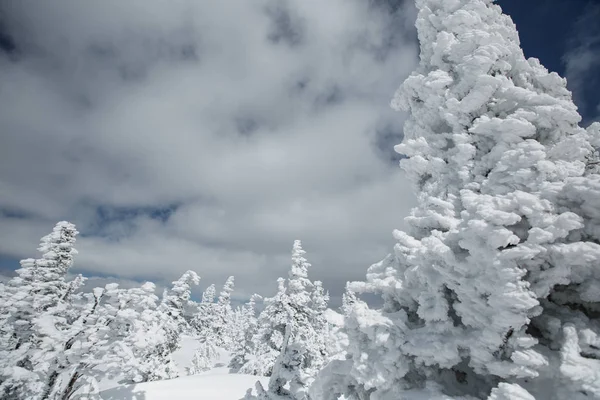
475	95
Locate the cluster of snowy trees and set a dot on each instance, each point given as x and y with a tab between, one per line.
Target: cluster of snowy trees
58	341
493	293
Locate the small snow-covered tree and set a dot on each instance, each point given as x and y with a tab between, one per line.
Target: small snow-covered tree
269	333
496	283
150	333
288	381
202	322
319	298
222	322
173	305
208	296
204	358
225	295
323	333
244	346
176	298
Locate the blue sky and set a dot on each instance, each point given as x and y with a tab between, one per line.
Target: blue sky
565	36
198	135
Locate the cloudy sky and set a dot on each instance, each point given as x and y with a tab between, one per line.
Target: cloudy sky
208	135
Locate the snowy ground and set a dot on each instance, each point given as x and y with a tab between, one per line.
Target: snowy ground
216	384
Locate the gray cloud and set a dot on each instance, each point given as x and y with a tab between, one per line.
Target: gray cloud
205	135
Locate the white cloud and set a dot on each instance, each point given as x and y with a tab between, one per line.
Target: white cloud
252	123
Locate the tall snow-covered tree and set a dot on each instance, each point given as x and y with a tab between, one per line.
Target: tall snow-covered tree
299	303
202	322
222	322
40	283
307	302
39	286
53	331
494	289
173	304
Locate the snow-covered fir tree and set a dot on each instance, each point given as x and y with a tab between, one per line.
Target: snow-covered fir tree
288	380
39	284
296	303
173	304
319	301
222	322
204	358
175	299
39	291
150	333
202	322
50	352
495	289
208	296
307	301
244	346
269	333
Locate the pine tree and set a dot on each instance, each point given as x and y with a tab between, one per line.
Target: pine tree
204	358
303	305
319	300
50	347
39	288
149	335
288	380
244	346
224	299
222	322
202	322
269	333
208	296
494	290
40	283
307	302
173	305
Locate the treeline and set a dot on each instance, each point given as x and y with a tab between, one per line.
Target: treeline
58	341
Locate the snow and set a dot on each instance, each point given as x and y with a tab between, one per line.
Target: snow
183	356
216	384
